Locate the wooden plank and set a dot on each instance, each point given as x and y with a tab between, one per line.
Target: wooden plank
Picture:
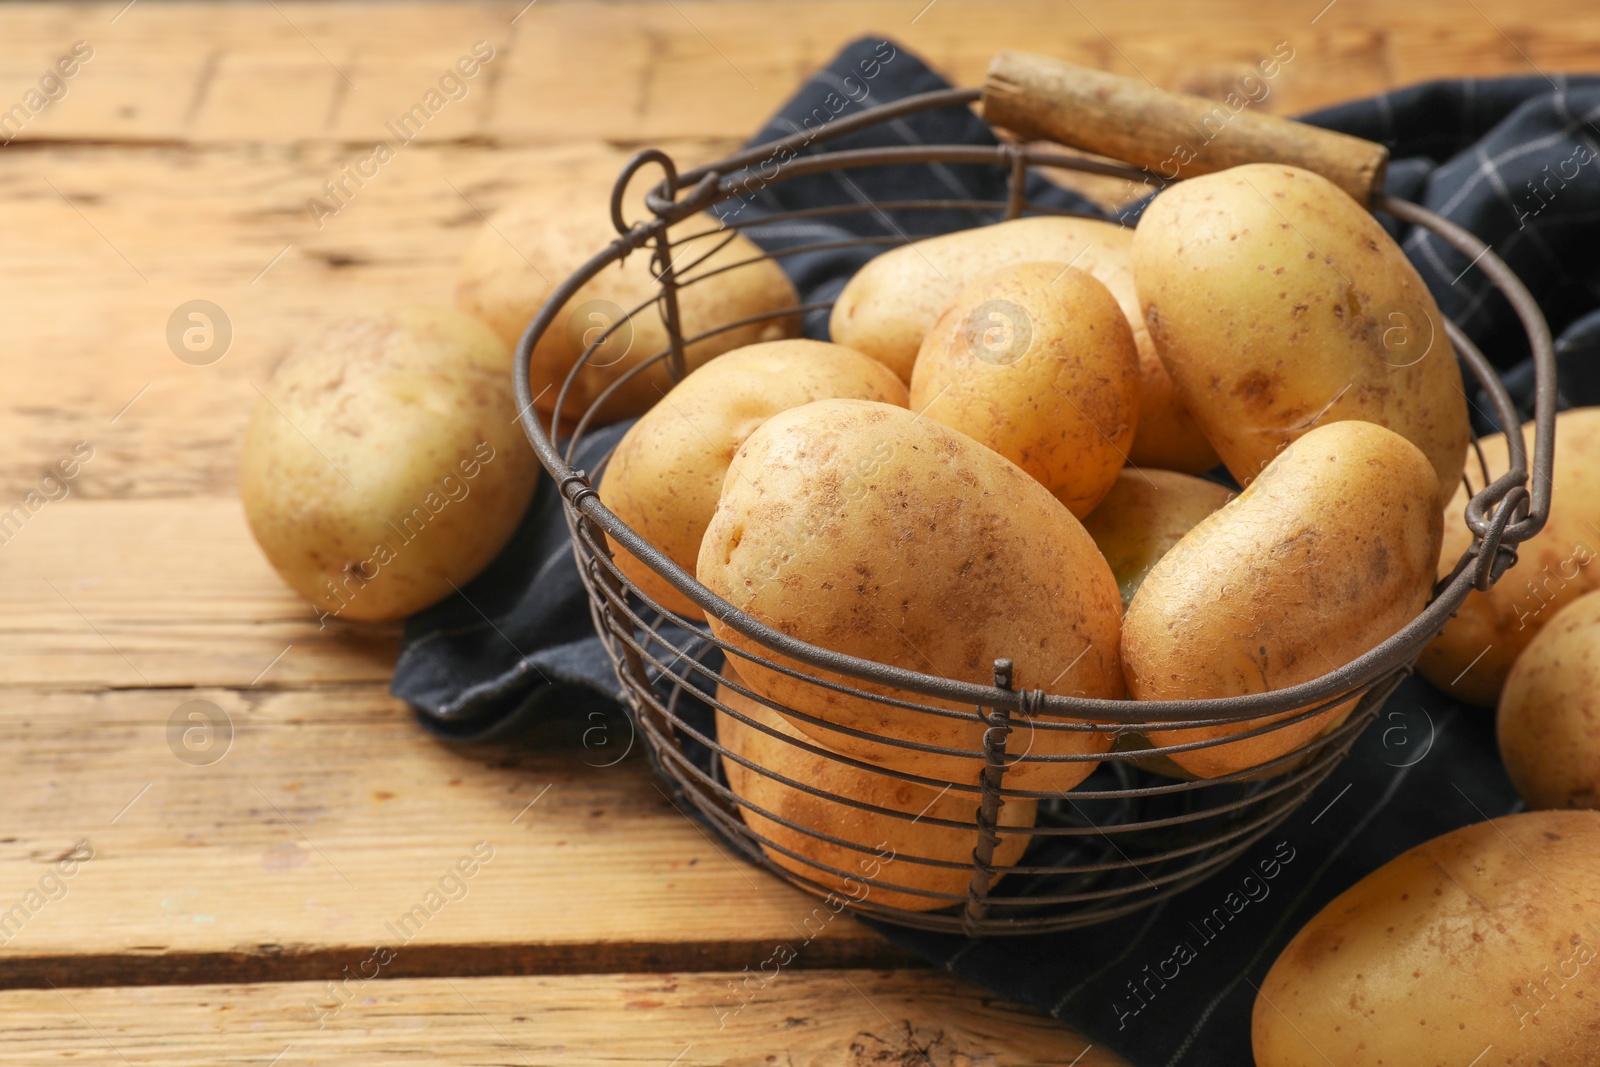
309	826
136	593
248	867
851	1019
696	69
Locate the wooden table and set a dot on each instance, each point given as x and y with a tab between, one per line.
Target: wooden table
223	898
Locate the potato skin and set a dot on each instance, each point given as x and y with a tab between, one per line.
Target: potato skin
666	474
888	307
859	527
516	260
1549	718
1146	513
384	462
1473	653
1037	362
894	839
1329	552
1477	947
1278	303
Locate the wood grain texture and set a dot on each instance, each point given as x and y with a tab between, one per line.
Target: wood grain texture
698	68
162	226
179	163
126	594
807	1019
311	823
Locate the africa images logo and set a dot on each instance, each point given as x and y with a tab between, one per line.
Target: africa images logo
453	87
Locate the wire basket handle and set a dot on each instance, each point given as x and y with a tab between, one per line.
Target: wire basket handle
1040	98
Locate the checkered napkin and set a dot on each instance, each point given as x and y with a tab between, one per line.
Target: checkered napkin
1516	161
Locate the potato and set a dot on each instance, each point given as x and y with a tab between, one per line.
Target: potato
1473	654
1326	554
892	844
1549	719
528	248
1145	514
891	303
1037	362
384	462
1475	949
862	528
666	474
1278	303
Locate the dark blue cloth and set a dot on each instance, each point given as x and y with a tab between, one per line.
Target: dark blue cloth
1516	161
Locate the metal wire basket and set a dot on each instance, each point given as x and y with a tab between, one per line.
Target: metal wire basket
1124	839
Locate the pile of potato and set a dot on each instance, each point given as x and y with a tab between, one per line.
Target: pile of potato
995	459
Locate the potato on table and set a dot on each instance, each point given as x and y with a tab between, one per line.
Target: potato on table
1037	362
892	845
384	464
862	528
666	474
1476	949
1473	653
1278	303
1330	551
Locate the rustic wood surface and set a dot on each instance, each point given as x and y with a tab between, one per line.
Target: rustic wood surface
176	167
857	1018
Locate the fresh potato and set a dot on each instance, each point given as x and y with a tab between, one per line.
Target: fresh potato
893	845
1473	654
1037	362
1326	554
1549	719
666	474
1278	303
862	528
528	248
1145	514
384	463
892	302
1475	949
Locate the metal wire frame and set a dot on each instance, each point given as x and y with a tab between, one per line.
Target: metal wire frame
1155	836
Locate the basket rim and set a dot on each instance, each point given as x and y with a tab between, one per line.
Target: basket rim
1505	512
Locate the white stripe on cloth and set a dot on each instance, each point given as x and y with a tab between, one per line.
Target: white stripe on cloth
901	127
1386	113
852	190
1155	913
1532	232
1516	151
940	170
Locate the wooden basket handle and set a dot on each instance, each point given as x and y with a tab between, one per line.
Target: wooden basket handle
1171	134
